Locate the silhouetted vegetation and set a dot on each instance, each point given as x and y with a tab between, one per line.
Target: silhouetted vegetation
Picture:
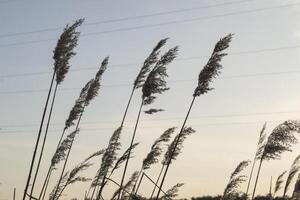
165	150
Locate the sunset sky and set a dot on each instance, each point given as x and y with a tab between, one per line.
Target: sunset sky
260	82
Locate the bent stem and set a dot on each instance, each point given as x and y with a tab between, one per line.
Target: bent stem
132	140
38	137
50	169
160	173
257	176
44	142
67	157
173	151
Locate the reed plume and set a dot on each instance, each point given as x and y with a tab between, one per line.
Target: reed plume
63	52
127	187
176	145
139	81
296	192
260	144
83	165
212	68
153	110
71	178
95	154
155	151
209	72
154	84
90	94
58	187
232	188
60	153
108	160
279	182
123	158
74	115
172	192
167	156
292	173
116	166
148	63
279	141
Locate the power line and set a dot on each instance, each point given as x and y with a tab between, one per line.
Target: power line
166	119
179	59
127	18
150	127
8	1
155	25
171	81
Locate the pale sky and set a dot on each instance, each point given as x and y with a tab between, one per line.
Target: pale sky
260	82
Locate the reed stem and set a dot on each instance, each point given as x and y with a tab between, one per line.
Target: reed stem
38	136
173	151
44	142
132	140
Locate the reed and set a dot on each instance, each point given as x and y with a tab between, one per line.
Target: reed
295	168
116	166
172	192
155	151
235	180
108	160
210	71
93	87
261	140
72	177
279	182
168	154
279	141
154	84
125	195
139	81
62	54
296	192
74	115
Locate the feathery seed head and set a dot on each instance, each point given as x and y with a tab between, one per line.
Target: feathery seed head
153	110
109	156
295	168
261	142
296	193
148	63
236	179
95	85
212	68
123	158
96	154
280	140
172	192
64	50
79	105
60	153
155	82
179	139
279	182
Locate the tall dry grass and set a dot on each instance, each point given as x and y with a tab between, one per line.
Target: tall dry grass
235	180
63	52
279	182
155	152
279	141
261	140
153	85
210	71
90	92
296	192
294	170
